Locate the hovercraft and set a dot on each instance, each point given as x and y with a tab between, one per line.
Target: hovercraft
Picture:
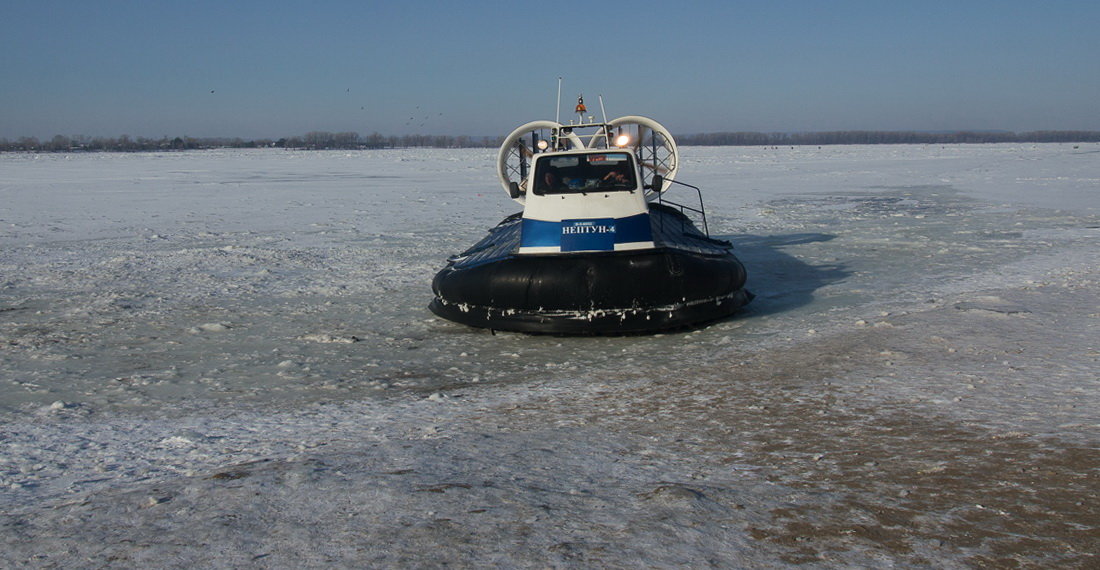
597	249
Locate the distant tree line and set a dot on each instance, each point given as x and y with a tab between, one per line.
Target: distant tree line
123	143
321	140
884	137
316	140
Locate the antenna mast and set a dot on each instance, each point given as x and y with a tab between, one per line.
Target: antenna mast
557	110
606	130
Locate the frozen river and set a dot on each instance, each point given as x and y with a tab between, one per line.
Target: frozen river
915	382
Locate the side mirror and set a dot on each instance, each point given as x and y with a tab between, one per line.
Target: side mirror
513	190
658	183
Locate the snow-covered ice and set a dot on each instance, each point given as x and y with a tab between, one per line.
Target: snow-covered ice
224	359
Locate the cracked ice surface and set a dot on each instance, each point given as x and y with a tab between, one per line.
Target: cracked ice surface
223	358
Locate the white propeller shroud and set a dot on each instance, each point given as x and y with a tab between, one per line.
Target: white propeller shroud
652	144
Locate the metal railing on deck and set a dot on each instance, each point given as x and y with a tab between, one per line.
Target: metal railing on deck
700	211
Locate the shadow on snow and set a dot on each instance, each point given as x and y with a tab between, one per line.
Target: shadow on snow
779	280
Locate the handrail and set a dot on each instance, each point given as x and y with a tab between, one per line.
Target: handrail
701	210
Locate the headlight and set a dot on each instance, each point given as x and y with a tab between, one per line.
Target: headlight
622	140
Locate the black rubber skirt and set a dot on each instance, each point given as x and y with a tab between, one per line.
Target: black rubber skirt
605	293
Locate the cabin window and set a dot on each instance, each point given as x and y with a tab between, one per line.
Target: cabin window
576	173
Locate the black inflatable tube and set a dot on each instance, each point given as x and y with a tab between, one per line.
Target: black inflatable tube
598	293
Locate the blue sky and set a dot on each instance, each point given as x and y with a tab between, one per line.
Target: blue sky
270	69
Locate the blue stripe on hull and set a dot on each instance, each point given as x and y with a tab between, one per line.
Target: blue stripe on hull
570	235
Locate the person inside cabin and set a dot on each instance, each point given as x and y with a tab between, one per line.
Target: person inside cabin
613	178
550	180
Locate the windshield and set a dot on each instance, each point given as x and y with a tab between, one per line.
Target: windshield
574	173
